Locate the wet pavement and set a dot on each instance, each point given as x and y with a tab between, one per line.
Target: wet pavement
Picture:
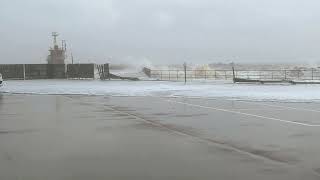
126	138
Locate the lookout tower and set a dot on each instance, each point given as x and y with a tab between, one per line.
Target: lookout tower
57	54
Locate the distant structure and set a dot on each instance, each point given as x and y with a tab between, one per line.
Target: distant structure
57	55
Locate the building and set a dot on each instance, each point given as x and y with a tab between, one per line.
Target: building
57	55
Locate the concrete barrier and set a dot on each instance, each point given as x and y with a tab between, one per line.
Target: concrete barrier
47	71
80	71
12	71
36	71
56	71
147	71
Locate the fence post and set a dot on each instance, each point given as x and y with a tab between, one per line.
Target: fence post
177	75
169	76
225	74
285	74
312	73
185	72
24	72
160	74
260	75
205	74
234	75
66	70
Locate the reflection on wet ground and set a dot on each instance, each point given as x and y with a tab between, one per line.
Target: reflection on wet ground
83	137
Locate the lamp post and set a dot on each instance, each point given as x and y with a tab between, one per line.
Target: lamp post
185	72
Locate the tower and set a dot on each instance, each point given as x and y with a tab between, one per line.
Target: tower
56	54
55	35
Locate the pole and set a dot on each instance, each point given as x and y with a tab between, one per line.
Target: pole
24	72
185	72
205	74
285	74
177	75
234	75
71	58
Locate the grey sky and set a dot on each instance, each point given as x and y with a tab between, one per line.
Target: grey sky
162	31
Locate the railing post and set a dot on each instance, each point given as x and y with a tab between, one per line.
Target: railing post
185	72
177	75
260	75
233	75
24	72
205	74
285	74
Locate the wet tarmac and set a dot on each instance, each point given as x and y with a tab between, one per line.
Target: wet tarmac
126	138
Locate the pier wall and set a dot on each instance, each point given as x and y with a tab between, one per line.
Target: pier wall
47	71
82	71
12	71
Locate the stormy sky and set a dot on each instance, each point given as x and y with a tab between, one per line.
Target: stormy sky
162	31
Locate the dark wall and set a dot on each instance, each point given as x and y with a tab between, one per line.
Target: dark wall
106	69
80	71
36	71
12	71
47	71
56	71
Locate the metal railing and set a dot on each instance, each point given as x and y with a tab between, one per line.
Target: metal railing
178	75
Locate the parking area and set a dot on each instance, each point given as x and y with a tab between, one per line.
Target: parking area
106	137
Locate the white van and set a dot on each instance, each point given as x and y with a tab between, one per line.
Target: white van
1	80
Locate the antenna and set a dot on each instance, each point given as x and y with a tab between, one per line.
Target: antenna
65	45
71	57
55	34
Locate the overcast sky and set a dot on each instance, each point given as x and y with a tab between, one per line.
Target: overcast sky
162	31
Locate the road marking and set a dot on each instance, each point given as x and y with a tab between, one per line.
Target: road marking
247	114
283	107
206	140
257	109
250	102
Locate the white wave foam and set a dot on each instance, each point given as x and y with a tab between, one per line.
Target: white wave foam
305	93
